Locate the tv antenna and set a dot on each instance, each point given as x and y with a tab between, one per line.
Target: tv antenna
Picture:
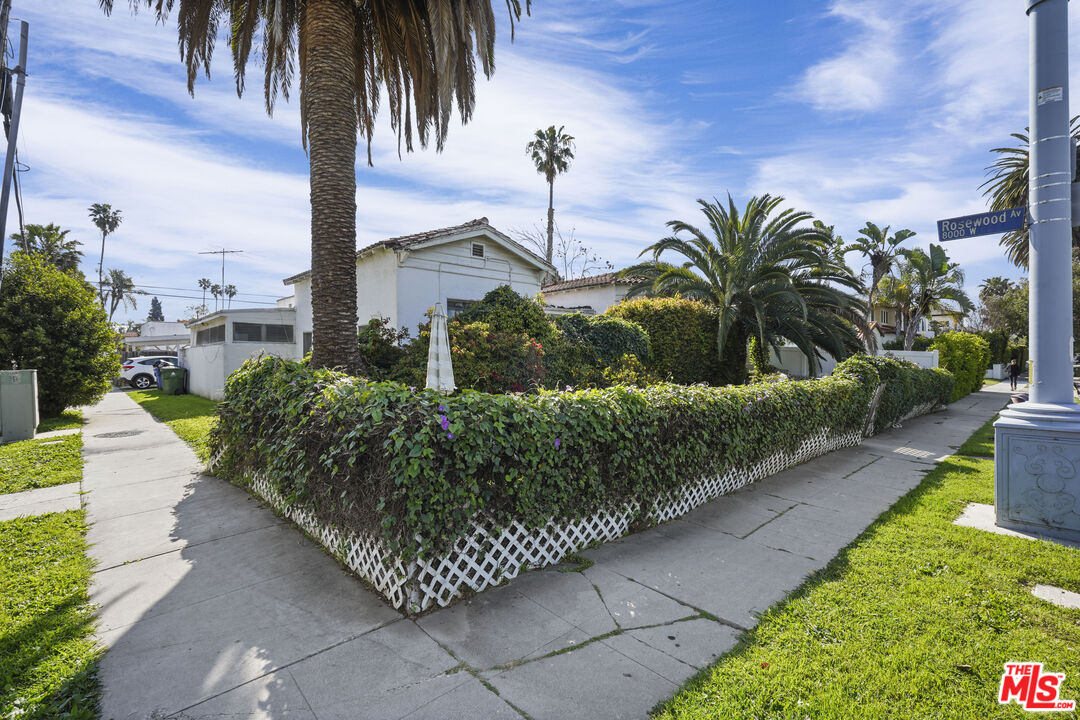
222	252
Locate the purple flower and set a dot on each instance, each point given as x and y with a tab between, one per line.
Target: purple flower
442	408
444	422
293	383
569	388
412	388
557	442
449	436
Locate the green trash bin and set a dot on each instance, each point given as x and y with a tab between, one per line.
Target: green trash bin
172	380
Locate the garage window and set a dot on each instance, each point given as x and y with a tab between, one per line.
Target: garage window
210	336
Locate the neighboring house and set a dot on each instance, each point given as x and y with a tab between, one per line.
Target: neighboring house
948	320
400	278
156	338
220	342
597	292
887	322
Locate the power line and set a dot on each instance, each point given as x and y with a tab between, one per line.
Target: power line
187	289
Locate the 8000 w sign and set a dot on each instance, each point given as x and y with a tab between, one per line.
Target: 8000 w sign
999	221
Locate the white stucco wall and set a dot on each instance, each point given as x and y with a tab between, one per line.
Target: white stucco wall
598	297
209	365
922	358
377	287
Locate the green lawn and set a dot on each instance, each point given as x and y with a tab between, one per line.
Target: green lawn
67	420
30	464
913	620
190	416
47	651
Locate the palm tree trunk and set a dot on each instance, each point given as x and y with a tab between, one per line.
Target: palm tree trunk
329	103
551	219
100	277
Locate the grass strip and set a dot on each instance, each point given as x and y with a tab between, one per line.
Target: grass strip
914	620
67	420
190	416
47	652
32	464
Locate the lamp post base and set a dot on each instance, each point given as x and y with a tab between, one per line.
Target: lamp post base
1037	469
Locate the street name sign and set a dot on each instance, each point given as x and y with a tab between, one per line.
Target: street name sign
990	223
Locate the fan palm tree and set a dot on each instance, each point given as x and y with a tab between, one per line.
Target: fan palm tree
120	289
551	151
52	243
229	291
768	275
923	284
1007	187
994	287
217	291
204	284
107	220
343	52
881	250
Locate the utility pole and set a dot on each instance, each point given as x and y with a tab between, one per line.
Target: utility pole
12	123
222	252
1037	443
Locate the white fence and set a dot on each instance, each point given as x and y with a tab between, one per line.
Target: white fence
489	555
922	358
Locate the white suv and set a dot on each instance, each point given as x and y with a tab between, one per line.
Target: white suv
139	371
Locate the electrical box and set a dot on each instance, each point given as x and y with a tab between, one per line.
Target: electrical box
18	404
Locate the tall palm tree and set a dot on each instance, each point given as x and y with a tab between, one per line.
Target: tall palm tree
343	52
994	287
218	292
551	151
880	250
107	220
229	291
120	289
923	284
1007	187
52	243
205	284
769	276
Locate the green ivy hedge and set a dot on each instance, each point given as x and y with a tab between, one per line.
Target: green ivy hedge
907	386
964	355
682	335
417	467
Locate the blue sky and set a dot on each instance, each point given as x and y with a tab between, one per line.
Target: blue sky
854	110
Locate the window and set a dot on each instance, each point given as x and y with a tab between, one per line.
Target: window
478	250
885	317
279	333
456	307
210	335
247	332
307	343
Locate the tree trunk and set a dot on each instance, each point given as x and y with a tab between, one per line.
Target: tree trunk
330	104
100	277
911	329
551	220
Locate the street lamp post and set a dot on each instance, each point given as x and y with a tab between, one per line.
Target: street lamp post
1037	443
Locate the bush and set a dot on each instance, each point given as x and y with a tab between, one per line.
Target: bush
964	355
419	468
504	311
52	322
682	337
485	360
609	337
381	348
907	386
999	346
919	344
1018	353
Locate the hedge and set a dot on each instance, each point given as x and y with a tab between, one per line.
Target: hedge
418	467
682	335
907	387
966	356
609	337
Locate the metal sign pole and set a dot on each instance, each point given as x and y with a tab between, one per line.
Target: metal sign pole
1037	443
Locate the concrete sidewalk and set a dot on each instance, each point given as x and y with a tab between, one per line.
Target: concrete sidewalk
212	607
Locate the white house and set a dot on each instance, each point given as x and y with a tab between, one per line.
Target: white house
220	342
400	278
591	295
158	337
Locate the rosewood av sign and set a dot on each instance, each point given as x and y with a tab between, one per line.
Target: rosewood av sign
990	223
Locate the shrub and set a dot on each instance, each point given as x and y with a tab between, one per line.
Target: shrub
1018	353
907	386
964	355
52	322
504	311
920	343
381	348
682	337
609	337
485	360
999	346
419	468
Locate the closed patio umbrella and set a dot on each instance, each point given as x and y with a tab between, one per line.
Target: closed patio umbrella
440	369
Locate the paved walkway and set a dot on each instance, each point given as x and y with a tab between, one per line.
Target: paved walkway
212	607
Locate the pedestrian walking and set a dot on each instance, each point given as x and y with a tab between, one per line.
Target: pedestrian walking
1014	372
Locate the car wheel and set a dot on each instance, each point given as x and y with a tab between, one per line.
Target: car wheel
142	382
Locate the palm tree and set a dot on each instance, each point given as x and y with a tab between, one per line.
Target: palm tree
343	52
205	284
923	284
551	151
768	275
120	289
881	251
217	291
107	220
994	287
52	244
1007	187
229	291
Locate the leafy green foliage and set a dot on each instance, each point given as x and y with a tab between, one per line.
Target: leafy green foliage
418	467
682	339
47	650
610	337
50	321
504	311
998	340
31	464
966	356
67	420
907	386
920	343
189	416
381	348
